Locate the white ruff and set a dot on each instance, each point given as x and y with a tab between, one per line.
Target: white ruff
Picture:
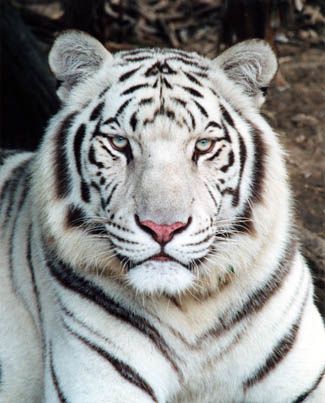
158	277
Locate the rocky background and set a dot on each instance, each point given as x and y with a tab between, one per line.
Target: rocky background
296	101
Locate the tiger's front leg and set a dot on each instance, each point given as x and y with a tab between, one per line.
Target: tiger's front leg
83	366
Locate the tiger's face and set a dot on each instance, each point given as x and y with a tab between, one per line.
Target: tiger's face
159	167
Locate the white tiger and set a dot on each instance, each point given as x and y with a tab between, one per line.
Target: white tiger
147	248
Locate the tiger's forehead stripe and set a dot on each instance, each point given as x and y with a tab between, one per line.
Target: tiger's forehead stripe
187	82
160	65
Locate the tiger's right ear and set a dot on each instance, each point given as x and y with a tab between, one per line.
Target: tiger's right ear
251	64
74	57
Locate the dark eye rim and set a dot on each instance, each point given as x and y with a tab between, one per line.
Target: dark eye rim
213	141
110	138
126	150
197	153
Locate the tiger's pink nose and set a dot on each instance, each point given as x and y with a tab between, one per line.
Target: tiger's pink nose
162	233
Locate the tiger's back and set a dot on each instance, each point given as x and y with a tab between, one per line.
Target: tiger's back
147	247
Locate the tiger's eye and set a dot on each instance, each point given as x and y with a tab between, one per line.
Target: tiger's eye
119	142
204	145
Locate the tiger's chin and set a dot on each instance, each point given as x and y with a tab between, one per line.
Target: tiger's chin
157	277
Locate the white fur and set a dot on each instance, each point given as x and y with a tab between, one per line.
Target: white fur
183	306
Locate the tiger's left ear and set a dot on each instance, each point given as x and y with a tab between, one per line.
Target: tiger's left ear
252	64
75	56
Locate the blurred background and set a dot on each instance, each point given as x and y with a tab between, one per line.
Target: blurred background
296	101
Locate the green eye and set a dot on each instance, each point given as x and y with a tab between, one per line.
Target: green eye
204	145
119	142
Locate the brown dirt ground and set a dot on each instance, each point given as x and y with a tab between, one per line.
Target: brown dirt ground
298	115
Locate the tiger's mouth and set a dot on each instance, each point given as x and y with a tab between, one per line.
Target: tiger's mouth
161	273
162	257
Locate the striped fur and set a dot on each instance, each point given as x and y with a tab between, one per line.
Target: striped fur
93	307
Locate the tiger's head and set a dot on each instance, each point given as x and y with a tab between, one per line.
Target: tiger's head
155	168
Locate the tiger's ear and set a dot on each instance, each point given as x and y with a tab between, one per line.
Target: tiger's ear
252	64
75	56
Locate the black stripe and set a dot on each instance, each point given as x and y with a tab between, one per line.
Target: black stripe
119	227
97	111
211	195
204	240
192	119
242	161
132	52
179	101
87	289
85	192
202	110
97	229
81	323
192	91
146	101
170	114
213	124
192	78
225	132
188	61
184	122
153	70
114	157
167	83
109	198
133	121
120	110
226	115
75	217
258	176
15	187
258	298
92	158
159	67
134	88
303	396
7	196
128	74
137	59
123	240
95	186
149	121
121	367
114	120
55	380
14	176
231	160
104	91
20	204
278	353
216	154
61	162
77	145
259	165
32	275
